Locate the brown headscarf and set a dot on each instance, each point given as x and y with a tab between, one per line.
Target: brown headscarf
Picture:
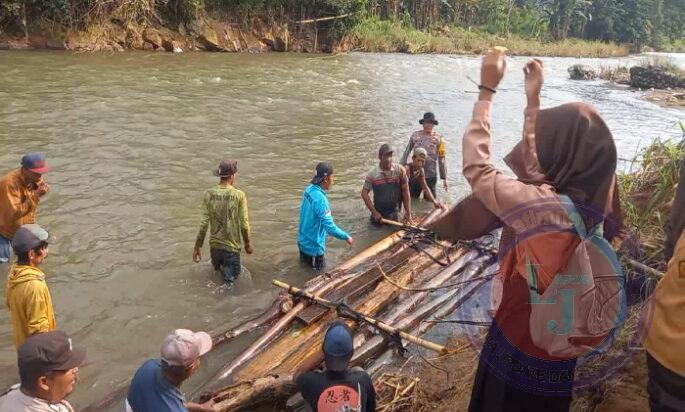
574	153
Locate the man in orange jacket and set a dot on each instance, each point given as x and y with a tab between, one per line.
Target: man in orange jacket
20	192
28	297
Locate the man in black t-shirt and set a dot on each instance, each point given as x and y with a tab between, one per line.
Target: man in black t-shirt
337	389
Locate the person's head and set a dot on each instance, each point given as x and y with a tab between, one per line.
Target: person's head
227	171
385	156
338	346
428	121
181	353
323	176
30	244
48	365
419	157
33	166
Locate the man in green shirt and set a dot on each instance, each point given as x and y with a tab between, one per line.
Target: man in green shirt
224	210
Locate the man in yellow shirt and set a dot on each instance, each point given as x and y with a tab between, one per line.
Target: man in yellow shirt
28	297
20	192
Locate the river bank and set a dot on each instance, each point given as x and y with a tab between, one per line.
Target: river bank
305	36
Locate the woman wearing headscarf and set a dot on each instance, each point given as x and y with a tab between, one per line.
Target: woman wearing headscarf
666	337
552	214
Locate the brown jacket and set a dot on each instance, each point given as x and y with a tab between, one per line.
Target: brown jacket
18	203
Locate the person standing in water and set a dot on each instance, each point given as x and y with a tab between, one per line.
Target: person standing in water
434	144
417	177
224	210
388	181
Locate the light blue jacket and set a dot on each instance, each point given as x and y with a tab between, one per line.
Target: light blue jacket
316	222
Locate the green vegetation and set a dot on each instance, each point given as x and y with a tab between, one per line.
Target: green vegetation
398	24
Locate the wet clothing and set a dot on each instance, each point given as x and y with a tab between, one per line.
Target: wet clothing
328	391
227	262
387	189
151	391
5	249
16	401
224	210
29	302
415	177
435	147
316	222
316	262
666	388
18	203
666	337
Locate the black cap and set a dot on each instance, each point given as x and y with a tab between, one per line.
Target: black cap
323	170
385	149
428	117
227	168
50	351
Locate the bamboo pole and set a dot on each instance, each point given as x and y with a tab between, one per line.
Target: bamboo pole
375	322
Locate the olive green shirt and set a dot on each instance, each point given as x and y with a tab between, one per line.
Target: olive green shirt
224	210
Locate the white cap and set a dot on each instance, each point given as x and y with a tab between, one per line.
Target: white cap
183	347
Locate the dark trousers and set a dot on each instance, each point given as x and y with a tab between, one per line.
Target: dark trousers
316	262
415	186
226	261
666	388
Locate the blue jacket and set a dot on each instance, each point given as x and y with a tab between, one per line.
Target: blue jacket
316	222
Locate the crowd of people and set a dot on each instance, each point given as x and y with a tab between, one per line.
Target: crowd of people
563	200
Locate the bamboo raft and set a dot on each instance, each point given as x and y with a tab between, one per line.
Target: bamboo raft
402	281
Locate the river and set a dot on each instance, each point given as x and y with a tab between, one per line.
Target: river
133	139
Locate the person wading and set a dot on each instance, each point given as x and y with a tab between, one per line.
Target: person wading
224	210
434	144
316	219
417	177
666	333
388	181
28	296
48	368
565	162
20	193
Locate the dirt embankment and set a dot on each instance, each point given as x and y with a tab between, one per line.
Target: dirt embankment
207	35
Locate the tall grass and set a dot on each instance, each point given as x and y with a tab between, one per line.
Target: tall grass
374	35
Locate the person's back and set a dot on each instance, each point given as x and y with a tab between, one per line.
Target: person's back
329	391
225	217
150	391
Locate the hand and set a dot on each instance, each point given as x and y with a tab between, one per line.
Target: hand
445	185
439	205
197	254
492	69
248	248
376	216
534	75
350	241
407	218
42	189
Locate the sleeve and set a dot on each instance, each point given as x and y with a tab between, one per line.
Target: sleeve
498	192
442	162
368	182
323	212
407	150
243	214
37	311
204	221
371	396
20	207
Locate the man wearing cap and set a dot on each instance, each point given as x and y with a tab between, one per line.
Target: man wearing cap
316	220
156	385
338	388
224	210
48	369
28	297
388	182
417	177
20	192
434	144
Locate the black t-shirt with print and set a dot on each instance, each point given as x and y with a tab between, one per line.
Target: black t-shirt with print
328	391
